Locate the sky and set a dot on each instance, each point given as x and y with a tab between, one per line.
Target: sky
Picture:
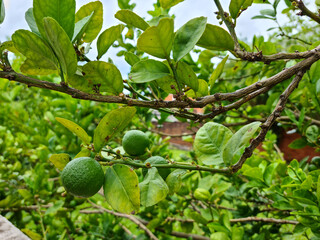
184	11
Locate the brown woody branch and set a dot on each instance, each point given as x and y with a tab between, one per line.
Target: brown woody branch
270	120
306	11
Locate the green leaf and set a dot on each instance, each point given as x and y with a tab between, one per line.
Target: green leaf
298	143
157	40
237	141
31	21
85	152
216	38
80	28
106	77
255	173
169	3
39	54
56	206
202	90
121	189
234	7
210	141
131	58
31	234
112	123
33	67
61	45
148	70
95	24
187	36
107	38
217	71
76	129
131	19
153	188
318	190
174	180
186	75
63	11
2	11
312	133
269	172
60	160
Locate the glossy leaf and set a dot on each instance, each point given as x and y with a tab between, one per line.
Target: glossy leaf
132	19
104	76
63	11
153	188
169	3
217	71
210	141
237	141
107	38
148	70
174	180
157	40
187	37
2	11
269	172
31	21
186	75
61	45
216	38
112	123
121	189
60	160
95	24
40	57
76	129
80	27
234	7
202	90
254	173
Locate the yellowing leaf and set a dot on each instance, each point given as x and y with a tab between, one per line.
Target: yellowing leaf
157	40
169	3
132	19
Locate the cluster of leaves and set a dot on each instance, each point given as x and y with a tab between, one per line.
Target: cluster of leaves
218	205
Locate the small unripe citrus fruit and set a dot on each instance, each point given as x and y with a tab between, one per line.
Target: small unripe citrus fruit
164	172
82	177
135	142
201	194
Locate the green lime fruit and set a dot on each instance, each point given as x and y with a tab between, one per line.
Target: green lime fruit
135	142
82	177
164	172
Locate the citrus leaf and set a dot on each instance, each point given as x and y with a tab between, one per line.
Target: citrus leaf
187	36
148	70
132	19
112	123
210	141
216	38
174	180
153	189
104	76
31	234
60	160
237	141
107	38
61	45
39	55
202	90
34	67
76	129
80	27
31	21
95	24
169	3
121	189
218	71
131	58
157	40
186	75
2	11
234	7
318	190
63	11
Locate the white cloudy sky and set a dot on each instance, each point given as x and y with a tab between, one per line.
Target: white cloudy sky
15	11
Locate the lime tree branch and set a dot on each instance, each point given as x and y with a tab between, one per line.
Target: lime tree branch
306	11
265	127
